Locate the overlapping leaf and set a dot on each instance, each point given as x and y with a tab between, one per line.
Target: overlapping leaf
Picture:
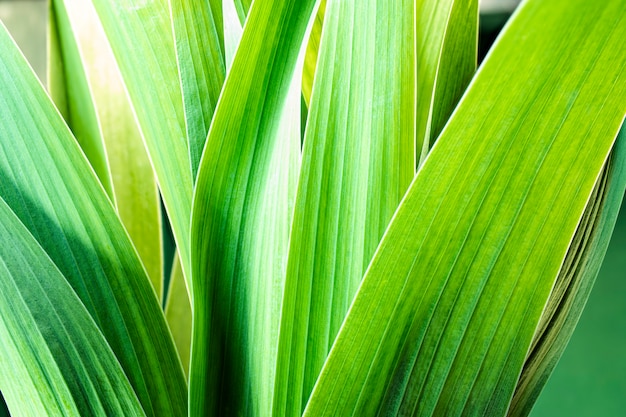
312	51
575	280
448	308
201	66
232	32
242	212
141	36
178	313
74	99
446	43
48	183
242	7
358	160
81	52
54	361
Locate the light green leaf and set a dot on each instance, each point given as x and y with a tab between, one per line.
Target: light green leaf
358	160
242	214
310	61
446	313
446	44
74	99
49	185
575	281
217	12
178	313
53	359
134	186
140	34
232	32
242	7
55	76
201	68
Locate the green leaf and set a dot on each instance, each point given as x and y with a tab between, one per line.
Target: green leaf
140	34
75	98
178	313
201	68
310	61
575	280
134	186
243	8
53	359
217	12
358	160
232	32
49	185
446	313
242	214
446	44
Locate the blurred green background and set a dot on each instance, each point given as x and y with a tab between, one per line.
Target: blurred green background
590	379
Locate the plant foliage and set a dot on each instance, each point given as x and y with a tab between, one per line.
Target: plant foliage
365	224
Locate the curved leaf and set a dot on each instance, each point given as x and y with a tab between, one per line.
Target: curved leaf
48	183
135	191
53	359
446	313
446	44
575	281
201	68
358	160
232	32
140	34
74	98
178	313
312	51
242	214
242	7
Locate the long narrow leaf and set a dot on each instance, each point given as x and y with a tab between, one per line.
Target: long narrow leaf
358	160
312	51
53	359
242	214
140	34
75	98
446	44
178	313
49	184
448	308
575	281
232	32
242	7
201	67
134	186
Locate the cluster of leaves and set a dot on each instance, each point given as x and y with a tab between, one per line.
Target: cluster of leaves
364	224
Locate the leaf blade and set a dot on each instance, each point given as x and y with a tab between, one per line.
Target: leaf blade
49	341
75	98
437	369
201	67
49	185
140	35
565	308
241	216
358	159
447	47
310	61
135	190
178	314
